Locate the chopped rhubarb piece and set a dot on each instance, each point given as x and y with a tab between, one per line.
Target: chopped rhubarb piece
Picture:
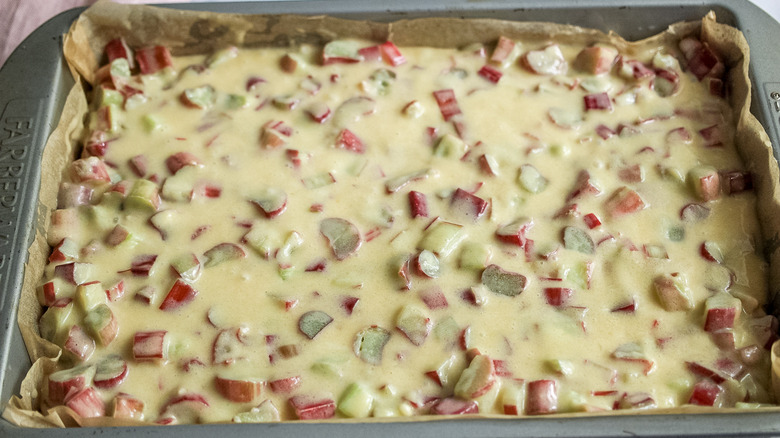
239	390
673	292
583	186
285	385
454	406
312	408
311	323
548	61
591	220
600	101
631	68
703	62
705	182
514	233
736	181
542	397
721	312
349	141
118	48
180	294
418	204
557	296
712	135
596	60
705	393
702	371
503	282
142	265
179	160
87	403
126	406
490	73
371	53
91	170
448	104
79	344
110	372
624	201
153	59
343	237
149	345
503	50
636	400
391	54
694	213
467	205
414	322
434	298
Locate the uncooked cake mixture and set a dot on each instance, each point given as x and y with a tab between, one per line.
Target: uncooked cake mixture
362	230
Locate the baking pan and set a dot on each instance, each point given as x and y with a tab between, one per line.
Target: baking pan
34	83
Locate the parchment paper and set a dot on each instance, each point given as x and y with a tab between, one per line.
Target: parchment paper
186	32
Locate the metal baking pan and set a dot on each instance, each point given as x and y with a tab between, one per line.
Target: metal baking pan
33	86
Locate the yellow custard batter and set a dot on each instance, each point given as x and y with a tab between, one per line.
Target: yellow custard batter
573	232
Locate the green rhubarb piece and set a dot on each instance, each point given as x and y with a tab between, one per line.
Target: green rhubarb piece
151	122
317	181
110	97
264	413
572	401
503	282
55	322
143	196
120	67
578	240
96	321
235	101
475	256
442	238
261	241
414	110
382	79
343	237
414	322
221	253
577	275
291	243
429	264
747	405
447	330
531	180
559	150
329	367
285	272
187	266
311	323
675	234
564	367
356	401
344	49
179	187
369	344
90	295
199	97
102	217
450	146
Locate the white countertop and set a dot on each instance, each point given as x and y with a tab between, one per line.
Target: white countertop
21	17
